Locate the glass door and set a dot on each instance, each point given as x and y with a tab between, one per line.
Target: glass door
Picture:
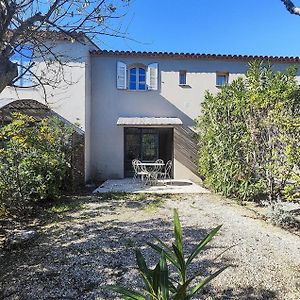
140	143
132	146
149	149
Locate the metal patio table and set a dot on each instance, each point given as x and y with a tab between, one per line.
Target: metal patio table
152	168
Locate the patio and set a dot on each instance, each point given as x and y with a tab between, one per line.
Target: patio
128	185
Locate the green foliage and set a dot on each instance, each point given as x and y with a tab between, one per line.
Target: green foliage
159	284
66	207
34	160
249	135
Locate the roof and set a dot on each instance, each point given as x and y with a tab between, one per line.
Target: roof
17	104
176	55
148	121
52	35
29	107
55	35
5	101
60	36
65	36
25	106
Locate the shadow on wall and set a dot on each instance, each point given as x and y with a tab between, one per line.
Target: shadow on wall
185	148
107	137
77	161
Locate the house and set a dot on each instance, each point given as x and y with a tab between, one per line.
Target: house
140	104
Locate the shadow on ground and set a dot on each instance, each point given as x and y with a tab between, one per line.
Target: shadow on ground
88	246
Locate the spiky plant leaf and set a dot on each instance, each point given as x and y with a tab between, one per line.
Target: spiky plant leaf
205	281
178	231
156	274
164	245
181	262
181	292
164	277
126	293
169	255
145	271
202	244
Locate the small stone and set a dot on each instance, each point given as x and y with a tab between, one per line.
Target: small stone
19	238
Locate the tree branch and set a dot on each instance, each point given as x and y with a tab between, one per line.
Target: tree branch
41	24
291	7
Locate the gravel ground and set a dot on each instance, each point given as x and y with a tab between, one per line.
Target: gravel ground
80	250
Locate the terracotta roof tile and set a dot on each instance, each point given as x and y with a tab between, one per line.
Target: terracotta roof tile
176	55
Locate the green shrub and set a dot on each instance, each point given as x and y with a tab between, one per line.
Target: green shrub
34	160
159	283
249	135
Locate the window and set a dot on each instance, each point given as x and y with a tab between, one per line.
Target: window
182	77
23	57
221	79
137	79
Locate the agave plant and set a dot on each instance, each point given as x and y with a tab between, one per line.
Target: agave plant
159	285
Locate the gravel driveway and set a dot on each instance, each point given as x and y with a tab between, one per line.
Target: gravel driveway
82	249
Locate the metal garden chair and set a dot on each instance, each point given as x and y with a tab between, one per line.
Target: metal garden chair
166	174
139	171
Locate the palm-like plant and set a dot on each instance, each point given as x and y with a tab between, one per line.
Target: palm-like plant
159	285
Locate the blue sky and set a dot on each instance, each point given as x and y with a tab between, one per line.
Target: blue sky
262	27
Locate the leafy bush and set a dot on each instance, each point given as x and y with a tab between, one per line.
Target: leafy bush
279	216
249	135
34	160
159	283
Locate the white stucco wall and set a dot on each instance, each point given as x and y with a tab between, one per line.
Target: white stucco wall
91	99
170	100
88	116
68	97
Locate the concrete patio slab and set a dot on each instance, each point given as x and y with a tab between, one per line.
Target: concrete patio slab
128	185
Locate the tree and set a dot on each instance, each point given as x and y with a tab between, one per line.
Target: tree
31	23
249	135
291	7
35	160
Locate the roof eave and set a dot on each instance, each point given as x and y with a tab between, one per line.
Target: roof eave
202	56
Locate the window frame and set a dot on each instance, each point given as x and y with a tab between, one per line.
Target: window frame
137	74
24	61
148	80
184	73
223	74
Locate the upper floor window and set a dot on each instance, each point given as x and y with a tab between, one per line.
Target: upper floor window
137	77
182	77
23	58
221	78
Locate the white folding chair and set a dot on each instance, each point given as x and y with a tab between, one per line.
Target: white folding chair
139	171
168	168
157	170
166	174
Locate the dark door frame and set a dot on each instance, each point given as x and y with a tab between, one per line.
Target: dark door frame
148	127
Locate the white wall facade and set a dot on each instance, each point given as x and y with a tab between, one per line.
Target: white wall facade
68	96
88	95
71	94
170	100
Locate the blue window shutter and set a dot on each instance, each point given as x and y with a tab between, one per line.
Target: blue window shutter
152	77
121	75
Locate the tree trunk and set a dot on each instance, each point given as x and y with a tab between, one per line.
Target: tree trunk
8	72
